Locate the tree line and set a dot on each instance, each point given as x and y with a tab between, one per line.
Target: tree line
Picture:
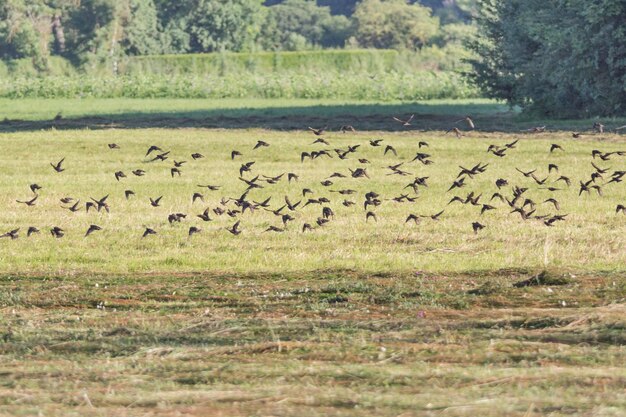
89	31
561	58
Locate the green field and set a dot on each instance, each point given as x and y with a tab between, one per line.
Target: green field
367	318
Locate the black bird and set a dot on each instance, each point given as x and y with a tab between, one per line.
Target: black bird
175	171
274	229
32	230
152	149
375	142
422	143
205	215
247	167
148	232
292	176
477	226
234	229
553	167
412	217
139	172
119	174
155	202
347	128
233	154
320	140
500	182
13	234
75	207
318	132
211	187
390	148
35	187
92	228
435	216
57	232
179	164
193	230
113	146
370	214
160	157
58	167
307	227
128	193
196	196
485	208
620	207
554	147
554	202
197	156
457	184
260	144
30	202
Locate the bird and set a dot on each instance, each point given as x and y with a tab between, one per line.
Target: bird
468	120
92	228
620	207
197	156
175	171
406	122
31	230
128	193
155	202
57	232
113	146
274	229
422	144
35	187
320	140
148	232
139	172
193	230
119	174
412	217
234	229
370	214
57	167
347	128
390	148
554	147
153	148
30	202
13	234
260	144
205	215
197	196
375	142
318	132
234	153
477	227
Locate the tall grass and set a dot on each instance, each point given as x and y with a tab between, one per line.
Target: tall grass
385	86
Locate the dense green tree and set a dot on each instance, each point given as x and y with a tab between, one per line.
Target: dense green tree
225	25
25	30
294	24
393	24
565	58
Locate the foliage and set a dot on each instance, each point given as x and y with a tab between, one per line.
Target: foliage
303	19
287	84
560	59
393	24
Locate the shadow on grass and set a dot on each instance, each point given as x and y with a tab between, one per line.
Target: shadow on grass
435	116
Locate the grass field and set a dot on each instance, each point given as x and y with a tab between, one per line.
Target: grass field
380	318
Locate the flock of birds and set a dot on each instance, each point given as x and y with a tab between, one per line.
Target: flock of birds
517	199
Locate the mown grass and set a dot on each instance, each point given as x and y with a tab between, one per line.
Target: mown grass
353	319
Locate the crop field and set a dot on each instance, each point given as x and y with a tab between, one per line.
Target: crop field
392	270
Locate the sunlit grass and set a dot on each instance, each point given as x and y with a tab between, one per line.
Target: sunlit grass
591	239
